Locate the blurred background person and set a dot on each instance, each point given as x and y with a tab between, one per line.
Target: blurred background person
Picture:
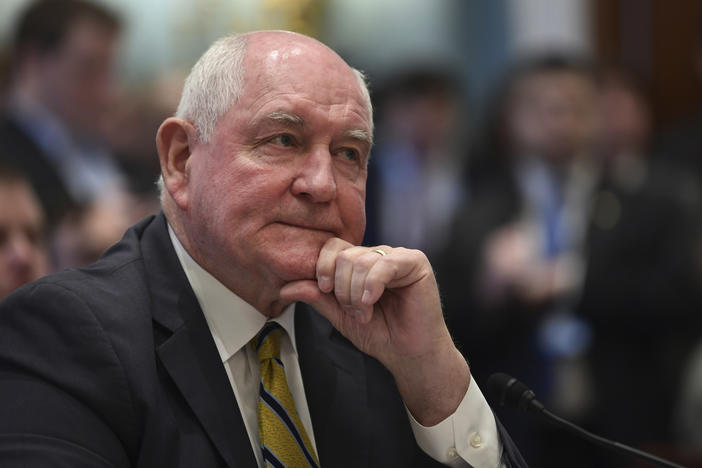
578	255
415	179
680	141
680	145
516	249
62	58
56	125
641	291
128	129
514	265
23	250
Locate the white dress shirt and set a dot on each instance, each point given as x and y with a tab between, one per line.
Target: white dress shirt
467	436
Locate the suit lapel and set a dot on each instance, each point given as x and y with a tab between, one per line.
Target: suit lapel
334	377
188	352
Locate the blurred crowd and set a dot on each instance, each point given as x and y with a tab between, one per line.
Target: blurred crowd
566	238
77	155
566	235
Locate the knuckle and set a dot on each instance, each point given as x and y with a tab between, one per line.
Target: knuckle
414	254
421	256
344	257
351	254
365	262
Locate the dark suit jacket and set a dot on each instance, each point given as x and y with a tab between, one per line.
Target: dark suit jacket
113	365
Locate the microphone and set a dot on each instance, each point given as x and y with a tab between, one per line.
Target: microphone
505	390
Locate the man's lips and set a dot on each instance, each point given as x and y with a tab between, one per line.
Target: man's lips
312	227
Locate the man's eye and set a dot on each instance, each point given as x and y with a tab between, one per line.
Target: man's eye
349	153
283	140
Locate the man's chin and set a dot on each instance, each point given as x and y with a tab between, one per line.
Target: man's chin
296	263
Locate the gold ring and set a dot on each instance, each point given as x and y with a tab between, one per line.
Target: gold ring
380	251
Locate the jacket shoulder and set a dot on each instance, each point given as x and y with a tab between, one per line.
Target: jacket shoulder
76	340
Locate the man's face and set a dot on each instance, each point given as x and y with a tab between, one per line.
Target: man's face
76	78
285	169
23	255
553	115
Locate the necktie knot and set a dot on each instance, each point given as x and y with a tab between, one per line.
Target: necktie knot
267	342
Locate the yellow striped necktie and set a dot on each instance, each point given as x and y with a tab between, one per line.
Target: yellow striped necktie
284	442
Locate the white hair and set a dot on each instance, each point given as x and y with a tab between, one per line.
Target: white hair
213	85
216	82
363	84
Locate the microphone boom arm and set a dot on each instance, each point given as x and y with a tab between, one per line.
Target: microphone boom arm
508	391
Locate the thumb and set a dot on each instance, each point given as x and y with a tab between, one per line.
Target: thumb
308	292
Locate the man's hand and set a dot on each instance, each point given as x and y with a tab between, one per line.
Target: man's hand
388	306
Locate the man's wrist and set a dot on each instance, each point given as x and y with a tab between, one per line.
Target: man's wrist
469	436
434	385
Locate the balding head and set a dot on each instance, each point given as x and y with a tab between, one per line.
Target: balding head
216	81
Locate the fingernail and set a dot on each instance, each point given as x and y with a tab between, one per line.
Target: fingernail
325	283
365	299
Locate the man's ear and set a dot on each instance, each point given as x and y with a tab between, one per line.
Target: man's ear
175	141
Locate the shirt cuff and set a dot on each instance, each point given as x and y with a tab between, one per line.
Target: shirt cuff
468	435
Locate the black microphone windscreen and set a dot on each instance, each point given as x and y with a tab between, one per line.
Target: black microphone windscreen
497	385
505	390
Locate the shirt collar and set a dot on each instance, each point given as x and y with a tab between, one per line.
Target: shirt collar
232	321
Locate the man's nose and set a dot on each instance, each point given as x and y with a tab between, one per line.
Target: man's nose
315	179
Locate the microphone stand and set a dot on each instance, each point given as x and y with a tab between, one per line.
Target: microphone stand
606	443
508	391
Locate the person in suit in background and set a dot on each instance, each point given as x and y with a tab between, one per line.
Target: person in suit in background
52	128
23	252
60	85
143	358
512	268
640	292
415	181
577	252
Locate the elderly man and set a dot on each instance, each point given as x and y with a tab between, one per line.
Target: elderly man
189	343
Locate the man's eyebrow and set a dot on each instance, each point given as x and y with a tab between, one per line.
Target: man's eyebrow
361	135
286	118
